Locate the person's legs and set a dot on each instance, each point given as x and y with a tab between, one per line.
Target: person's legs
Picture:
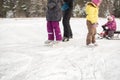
57	31
66	24
110	33
93	36
50	30
91	33
105	31
65	27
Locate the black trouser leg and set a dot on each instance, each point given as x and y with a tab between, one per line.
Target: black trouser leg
66	24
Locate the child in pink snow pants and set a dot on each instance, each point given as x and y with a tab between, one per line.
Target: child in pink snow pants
53	16
53	29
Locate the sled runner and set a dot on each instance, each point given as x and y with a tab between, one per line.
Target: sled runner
115	37
117	32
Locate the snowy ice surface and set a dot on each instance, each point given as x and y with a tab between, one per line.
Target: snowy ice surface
23	55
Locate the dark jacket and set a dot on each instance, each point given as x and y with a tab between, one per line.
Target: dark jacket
70	3
54	12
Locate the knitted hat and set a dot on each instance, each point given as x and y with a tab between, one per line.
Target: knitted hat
110	18
96	1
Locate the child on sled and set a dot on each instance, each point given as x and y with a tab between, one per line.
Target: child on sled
109	28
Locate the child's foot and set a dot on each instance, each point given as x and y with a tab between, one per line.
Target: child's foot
108	38
48	41
56	42
92	45
95	44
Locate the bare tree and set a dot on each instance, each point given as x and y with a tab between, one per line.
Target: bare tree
37	8
117	8
21	8
1	12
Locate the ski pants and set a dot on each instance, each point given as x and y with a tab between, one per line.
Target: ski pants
91	33
53	30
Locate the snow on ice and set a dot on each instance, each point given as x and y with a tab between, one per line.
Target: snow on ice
23	55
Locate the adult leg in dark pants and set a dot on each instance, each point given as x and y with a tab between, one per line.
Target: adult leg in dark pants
66	25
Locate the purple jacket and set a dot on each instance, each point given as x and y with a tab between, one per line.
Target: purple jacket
111	24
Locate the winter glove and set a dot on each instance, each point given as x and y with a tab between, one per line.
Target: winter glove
65	6
106	28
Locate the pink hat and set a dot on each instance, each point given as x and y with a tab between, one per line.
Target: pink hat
110	18
96	1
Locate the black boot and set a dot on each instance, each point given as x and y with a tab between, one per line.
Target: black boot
65	39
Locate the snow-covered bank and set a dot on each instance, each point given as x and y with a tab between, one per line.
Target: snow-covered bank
23	55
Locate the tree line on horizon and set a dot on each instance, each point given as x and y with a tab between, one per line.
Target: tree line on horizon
37	8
